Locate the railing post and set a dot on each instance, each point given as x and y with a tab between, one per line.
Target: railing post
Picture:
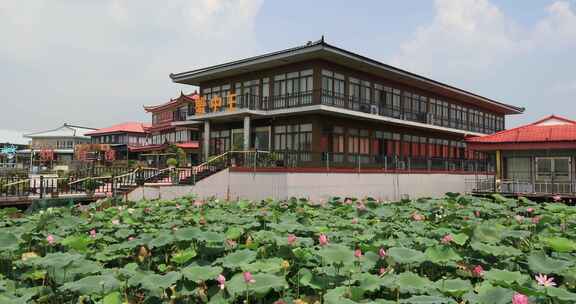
41	186
113	190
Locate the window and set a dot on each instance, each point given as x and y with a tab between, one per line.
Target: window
292	89
338	140
354	93
439	112
260	138
333	88
366	92
293	137
238	139
219	142
414	107
392	102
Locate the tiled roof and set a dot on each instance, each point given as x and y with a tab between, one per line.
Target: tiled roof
127	127
549	129
172	102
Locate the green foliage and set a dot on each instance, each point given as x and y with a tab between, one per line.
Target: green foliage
172	162
153	252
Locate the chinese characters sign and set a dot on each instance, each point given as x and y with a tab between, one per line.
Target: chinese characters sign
216	104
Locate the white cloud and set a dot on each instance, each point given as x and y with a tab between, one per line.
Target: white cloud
98	62
465	34
475	45
559	26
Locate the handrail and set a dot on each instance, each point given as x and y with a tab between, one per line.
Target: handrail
15	183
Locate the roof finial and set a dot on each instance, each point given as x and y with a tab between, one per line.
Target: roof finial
322	39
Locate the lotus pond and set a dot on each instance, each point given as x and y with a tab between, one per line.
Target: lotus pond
457	249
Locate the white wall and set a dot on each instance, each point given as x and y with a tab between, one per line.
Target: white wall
281	185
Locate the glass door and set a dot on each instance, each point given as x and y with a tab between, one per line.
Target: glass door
553	174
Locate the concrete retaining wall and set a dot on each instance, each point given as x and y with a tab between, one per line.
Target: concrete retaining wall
281	185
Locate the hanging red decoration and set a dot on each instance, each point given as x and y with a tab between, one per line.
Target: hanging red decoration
110	155
46	155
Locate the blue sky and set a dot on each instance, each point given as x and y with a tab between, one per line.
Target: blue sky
96	63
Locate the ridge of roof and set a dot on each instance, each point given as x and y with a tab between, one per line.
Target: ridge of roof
68	126
553	116
190	97
127	127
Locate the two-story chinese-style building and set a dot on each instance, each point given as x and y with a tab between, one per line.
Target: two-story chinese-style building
318	104
163	131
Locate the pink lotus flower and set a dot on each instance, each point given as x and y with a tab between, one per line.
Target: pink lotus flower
519	218
536	220
358	253
292	239
382	253
557	198
382	271
323	239
360	206
231	243
477	213
50	239
530	210
478	271
544	280
221	281
248	278
348	201
417	217
447	239
93	233
354	221
115	222
131	238
519	298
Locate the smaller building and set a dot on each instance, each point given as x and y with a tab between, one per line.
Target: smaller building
122	138
536	159
55	147
164	134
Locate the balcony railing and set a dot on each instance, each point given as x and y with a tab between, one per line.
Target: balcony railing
334	99
521	187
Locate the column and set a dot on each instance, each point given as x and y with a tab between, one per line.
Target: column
246	133
206	144
499	174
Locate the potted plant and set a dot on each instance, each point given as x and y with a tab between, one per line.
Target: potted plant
90	186
172	162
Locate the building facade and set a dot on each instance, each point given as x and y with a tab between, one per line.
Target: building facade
122	138
56	146
319	105
536	159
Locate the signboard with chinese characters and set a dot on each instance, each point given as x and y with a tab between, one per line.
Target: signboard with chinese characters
215	104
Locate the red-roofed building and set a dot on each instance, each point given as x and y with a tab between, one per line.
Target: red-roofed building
537	158
122	138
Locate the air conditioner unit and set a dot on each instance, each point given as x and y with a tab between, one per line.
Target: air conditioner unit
374	109
365	108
